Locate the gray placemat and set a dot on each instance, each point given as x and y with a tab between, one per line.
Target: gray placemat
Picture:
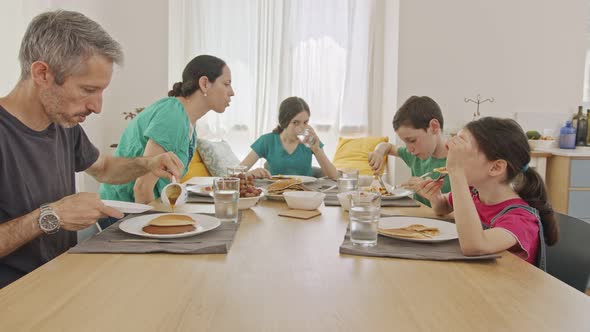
332	200
389	247
199	199
216	241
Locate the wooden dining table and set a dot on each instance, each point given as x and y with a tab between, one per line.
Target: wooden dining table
285	274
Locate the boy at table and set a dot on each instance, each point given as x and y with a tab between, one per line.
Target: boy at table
419	124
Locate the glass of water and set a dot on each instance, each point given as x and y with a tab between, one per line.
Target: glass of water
306	138
226	192
365	208
348	179
235	171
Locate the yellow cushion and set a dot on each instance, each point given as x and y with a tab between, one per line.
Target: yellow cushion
354	153
195	168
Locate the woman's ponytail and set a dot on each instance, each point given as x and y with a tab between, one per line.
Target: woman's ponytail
176	90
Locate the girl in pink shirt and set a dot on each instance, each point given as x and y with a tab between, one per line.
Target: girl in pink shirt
492	186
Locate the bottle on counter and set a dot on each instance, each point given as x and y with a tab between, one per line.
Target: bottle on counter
587	127
576	116
582	130
567	136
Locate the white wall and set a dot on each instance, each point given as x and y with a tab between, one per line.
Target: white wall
527	54
141	29
12	28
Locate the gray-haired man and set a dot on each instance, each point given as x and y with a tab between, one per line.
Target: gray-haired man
66	64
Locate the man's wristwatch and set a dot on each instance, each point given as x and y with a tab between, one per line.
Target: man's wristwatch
48	220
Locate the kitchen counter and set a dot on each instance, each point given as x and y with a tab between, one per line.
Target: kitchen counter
580	152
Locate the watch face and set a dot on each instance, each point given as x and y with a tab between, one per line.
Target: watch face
49	222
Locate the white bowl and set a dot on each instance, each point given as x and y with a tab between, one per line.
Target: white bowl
365	180
344	199
247	202
541	143
304	200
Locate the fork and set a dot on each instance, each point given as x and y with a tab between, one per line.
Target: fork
439	177
382	183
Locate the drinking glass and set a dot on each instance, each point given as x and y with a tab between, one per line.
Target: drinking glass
226	192
235	171
365	208
348	179
306	138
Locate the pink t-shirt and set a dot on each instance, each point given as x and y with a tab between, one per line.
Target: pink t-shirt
519	222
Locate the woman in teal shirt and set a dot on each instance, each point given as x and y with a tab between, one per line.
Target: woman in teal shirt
283	151
168	125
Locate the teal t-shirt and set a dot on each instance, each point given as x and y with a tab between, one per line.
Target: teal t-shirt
270	147
420	167
166	123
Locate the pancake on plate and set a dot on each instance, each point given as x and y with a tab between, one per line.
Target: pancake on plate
279	187
280	177
170	224
415	231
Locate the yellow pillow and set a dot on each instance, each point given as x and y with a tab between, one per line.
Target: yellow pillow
196	167
354	153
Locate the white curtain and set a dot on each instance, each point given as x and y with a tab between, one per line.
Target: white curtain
321	51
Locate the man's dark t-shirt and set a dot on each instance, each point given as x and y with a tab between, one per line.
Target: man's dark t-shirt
37	168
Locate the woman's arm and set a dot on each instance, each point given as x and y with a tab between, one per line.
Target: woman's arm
143	190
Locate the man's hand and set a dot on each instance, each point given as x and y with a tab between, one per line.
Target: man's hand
81	210
166	165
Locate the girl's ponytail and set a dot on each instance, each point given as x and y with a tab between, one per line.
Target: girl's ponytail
532	190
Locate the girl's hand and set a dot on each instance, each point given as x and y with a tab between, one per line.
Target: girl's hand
260	173
461	150
316	140
430	189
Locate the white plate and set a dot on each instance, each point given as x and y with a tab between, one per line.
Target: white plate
135	225
127	207
398	193
201	180
303	178
200	189
448	231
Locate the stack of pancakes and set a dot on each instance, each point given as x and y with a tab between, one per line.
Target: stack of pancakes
281	186
170	224
415	231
